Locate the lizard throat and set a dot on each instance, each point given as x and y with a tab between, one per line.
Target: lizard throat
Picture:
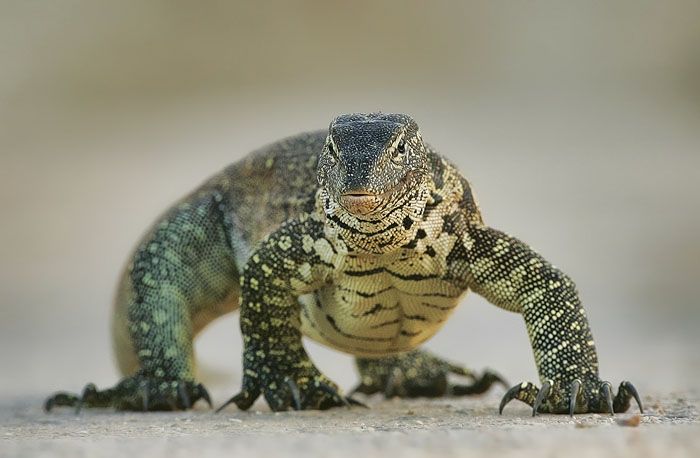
381	231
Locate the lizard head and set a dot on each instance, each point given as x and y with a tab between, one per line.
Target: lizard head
371	161
374	168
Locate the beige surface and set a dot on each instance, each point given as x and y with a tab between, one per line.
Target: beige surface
448	428
577	122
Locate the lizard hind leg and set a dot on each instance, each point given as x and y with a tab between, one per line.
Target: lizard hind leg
178	278
419	373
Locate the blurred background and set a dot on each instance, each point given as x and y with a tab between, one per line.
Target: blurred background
578	124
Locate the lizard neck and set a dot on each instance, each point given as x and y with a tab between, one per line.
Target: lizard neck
379	233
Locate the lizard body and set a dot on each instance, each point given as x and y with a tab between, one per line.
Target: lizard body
361	237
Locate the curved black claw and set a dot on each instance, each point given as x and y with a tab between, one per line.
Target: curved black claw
334	398
145	392
243	400
354	402
204	394
573	396
184	396
606	390
588	396
138	393
526	392
541	396
296	395
625	393
329	390
509	396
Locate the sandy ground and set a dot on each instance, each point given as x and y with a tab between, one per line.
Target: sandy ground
447	427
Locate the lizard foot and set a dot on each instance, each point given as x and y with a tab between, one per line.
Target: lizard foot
592	396
138	393
419	374
297	386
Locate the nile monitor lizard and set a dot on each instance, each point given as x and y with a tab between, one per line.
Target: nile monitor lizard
361	237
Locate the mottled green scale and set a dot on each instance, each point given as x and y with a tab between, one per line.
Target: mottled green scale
183	269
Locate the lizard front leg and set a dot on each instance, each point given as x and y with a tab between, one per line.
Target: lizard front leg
294	260
511	275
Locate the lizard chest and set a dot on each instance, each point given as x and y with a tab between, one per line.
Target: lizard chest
373	307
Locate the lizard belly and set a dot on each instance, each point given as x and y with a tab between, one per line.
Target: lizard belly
384	316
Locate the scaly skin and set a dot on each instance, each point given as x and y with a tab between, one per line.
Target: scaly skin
362	238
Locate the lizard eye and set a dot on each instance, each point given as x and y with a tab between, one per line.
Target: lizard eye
332	151
399	152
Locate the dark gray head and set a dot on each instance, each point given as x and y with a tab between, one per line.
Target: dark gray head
373	173
371	159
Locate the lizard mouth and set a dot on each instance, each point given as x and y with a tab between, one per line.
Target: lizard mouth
361	202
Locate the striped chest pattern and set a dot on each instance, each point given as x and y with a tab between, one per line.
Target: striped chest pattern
381	304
